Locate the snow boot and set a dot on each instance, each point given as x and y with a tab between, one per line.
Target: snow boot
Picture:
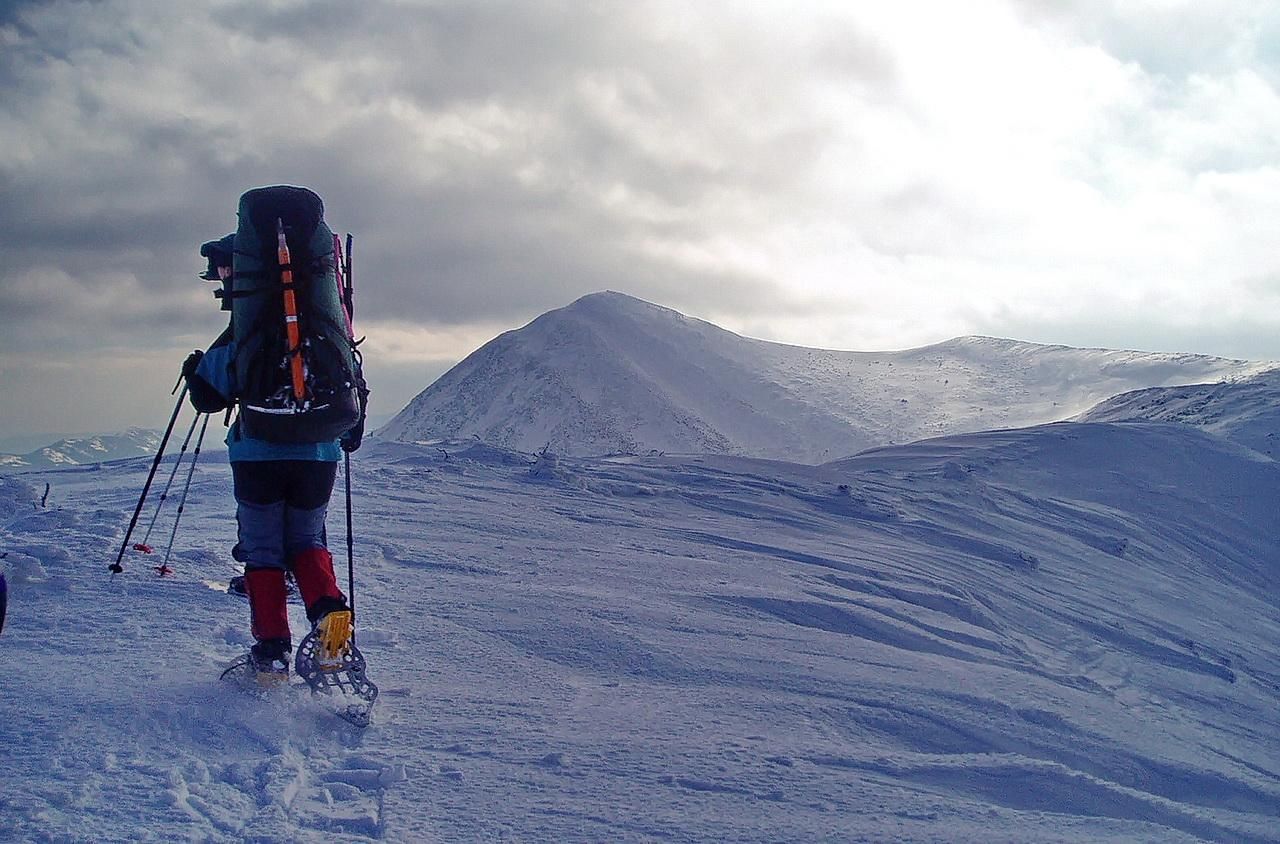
269	659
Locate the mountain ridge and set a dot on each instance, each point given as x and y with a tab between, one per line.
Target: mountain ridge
610	373
80	450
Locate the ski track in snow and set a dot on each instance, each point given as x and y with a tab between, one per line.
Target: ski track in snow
1059	634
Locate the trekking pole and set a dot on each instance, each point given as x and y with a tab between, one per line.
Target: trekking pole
163	568
143	546
349	301
340	275
351	554
115	568
350	297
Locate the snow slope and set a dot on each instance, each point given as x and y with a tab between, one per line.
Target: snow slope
613	374
1061	633
1247	412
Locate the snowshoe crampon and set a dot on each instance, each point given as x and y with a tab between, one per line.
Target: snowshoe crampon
328	661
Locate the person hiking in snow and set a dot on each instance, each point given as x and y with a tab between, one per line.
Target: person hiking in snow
281	488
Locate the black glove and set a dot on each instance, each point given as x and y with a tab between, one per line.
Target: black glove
204	398
350	441
189	365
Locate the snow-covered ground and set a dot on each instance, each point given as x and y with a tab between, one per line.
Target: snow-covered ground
1061	633
613	374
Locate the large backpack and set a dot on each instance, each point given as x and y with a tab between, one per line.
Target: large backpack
297	367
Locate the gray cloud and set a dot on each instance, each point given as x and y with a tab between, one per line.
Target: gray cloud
478	151
161	181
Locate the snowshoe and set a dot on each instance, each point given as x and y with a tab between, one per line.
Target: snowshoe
329	660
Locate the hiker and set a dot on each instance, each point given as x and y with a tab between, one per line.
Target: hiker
282	487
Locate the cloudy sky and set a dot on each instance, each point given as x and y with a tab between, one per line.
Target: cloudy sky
853	175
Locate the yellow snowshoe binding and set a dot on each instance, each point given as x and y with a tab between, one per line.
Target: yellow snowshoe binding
333	633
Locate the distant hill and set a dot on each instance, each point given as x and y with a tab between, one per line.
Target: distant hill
611	373
74	451
1246	411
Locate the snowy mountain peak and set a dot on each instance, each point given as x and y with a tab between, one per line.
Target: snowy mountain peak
611	373
613	300
610	310
75	451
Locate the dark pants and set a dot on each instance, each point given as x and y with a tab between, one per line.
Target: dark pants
280	509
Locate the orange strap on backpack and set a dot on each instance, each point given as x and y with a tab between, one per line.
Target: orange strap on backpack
297	368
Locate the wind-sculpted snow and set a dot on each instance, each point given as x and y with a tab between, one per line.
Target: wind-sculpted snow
613	374
1063	633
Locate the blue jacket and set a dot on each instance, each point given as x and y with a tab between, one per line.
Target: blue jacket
217	370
